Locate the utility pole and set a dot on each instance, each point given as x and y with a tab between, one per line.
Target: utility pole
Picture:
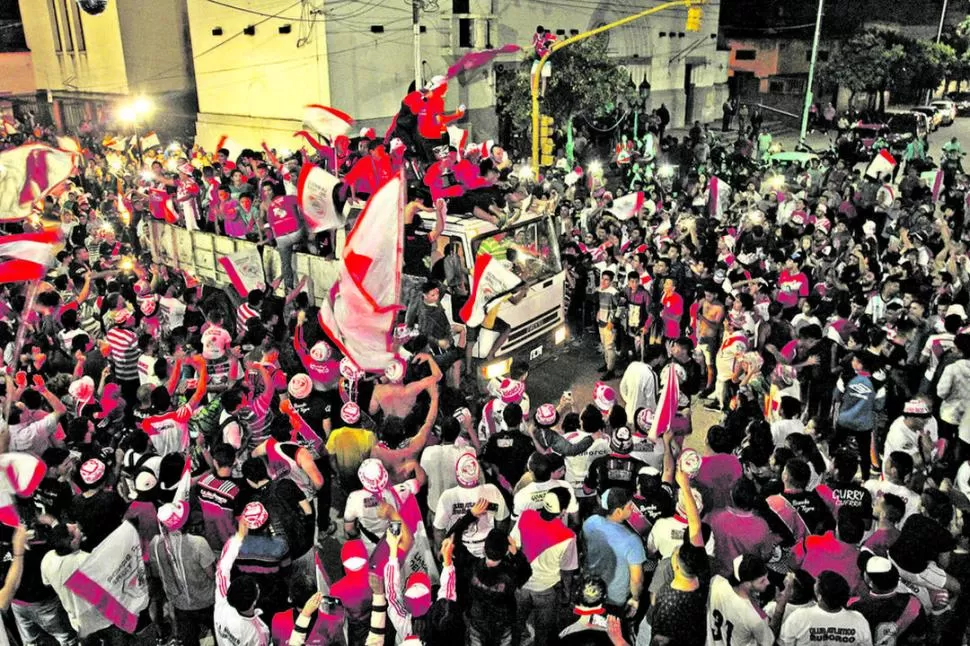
416	6
939	37
809	96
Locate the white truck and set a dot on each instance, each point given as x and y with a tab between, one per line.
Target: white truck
536	320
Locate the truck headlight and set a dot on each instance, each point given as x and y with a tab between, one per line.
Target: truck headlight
497	369
560	336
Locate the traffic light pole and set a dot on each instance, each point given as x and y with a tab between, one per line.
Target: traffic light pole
536	76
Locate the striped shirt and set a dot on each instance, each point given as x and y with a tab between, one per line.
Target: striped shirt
124	353
88	318
243	313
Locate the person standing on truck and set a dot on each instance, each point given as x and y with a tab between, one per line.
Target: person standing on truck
432	322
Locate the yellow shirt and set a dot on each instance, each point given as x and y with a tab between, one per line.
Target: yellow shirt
350	446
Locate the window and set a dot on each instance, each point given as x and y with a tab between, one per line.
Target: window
530	250
66	28
460	6
776	87
745	55
466	36
822	56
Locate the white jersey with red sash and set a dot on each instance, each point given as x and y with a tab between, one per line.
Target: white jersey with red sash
169	432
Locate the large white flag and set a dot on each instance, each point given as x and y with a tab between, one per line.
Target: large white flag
245	270
881	164
315	195
627	206
359	314
29	173
327	121
112	579
491	280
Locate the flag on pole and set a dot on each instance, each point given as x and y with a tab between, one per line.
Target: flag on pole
720	192
245	270
315	195
474	60
934	179
114	143
491	279
663	417
113	581
29	173
8	127
359	313
20	473
230	145
150	140
627	206
419	558
881	164
26	256
329	122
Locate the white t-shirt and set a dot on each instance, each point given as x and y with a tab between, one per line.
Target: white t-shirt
578	465
454	502
781	429
55	571
530	497
439	463
550	563
733	620
35	436
816	627
667	535
362	506
902	438
879	487
173	312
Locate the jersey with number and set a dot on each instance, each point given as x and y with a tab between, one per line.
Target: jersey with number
733	620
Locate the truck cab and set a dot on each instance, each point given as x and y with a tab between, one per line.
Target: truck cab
536	316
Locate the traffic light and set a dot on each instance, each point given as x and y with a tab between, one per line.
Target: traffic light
546	146
694	16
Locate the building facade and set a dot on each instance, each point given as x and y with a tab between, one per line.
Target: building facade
257	64
84	65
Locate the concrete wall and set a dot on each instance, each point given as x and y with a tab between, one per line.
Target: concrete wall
249	86
157	47
16	73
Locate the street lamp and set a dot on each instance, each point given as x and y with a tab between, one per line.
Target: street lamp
131	113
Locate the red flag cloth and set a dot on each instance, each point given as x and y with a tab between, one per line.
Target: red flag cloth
245	270
31	172
881	164
718	199
663	417
315	196
329	122
474	60
160	205
491	280
20	473
26	256
627	206
359	313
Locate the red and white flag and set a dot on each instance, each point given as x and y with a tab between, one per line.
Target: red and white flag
490	280
720	192
315	195
627	206
26	256
160	205
420	557
245	270
115	144
329	122
113	581
29	173
150	140
663	417
8	127
474	60
881	164
323	580
70	144
20	473
934	179
230	145
458	137
359	313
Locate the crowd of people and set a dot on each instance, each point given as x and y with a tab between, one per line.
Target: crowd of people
816	310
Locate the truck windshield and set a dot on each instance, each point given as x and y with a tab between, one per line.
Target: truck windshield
530	250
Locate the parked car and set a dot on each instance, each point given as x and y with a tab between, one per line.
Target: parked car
934	116
962	100
949	109
903	125
864	136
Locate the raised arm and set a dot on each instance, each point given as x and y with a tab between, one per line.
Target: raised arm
690	510
12	581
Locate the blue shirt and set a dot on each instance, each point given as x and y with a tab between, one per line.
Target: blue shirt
611	549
